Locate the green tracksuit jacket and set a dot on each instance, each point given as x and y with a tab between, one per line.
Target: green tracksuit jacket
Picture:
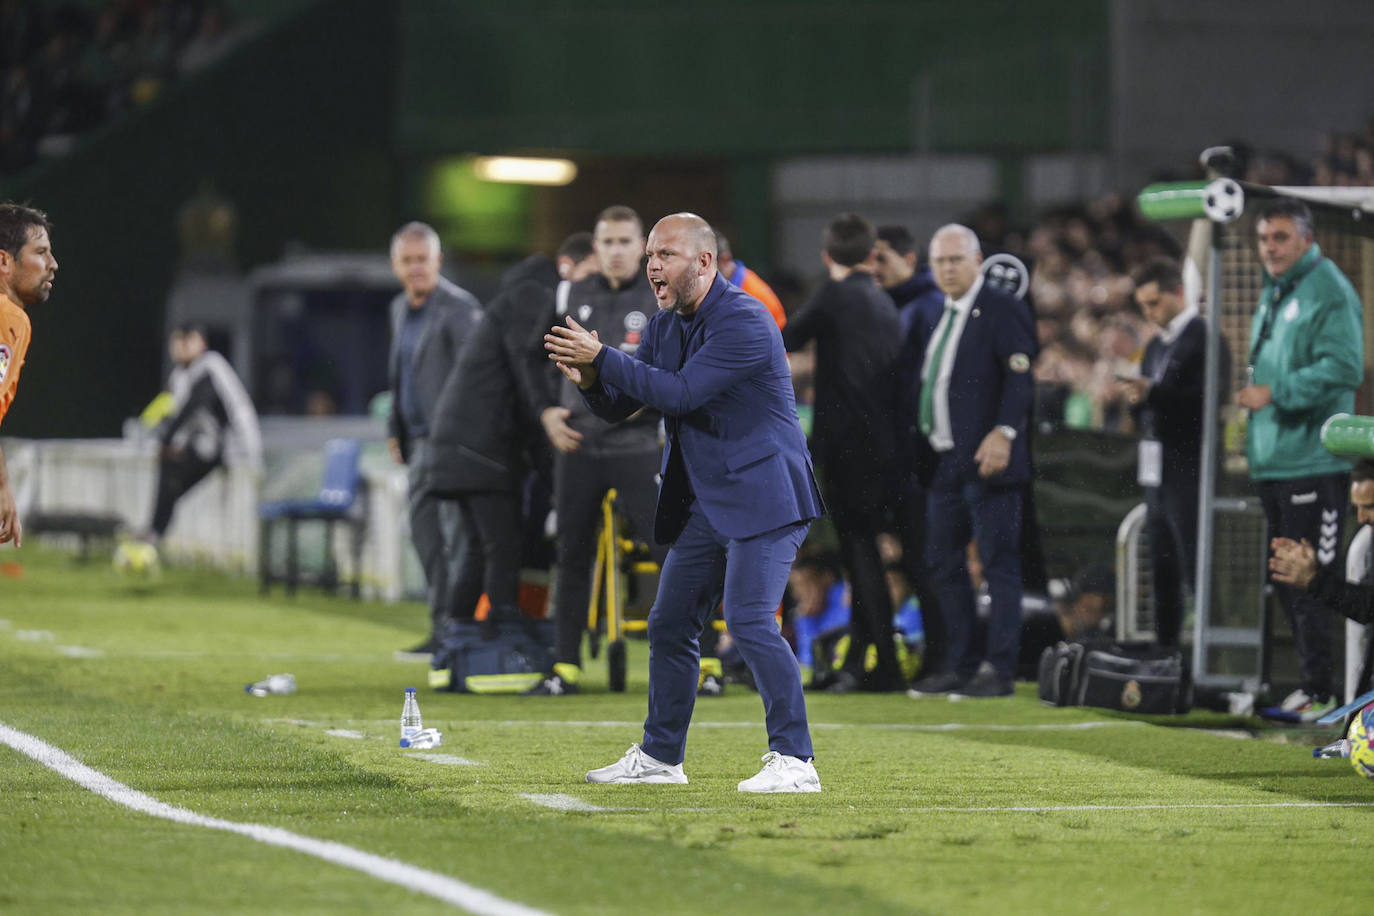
1312	357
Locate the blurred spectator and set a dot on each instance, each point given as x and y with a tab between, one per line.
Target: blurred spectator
68	67
735	272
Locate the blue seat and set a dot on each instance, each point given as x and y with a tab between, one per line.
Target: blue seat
340	500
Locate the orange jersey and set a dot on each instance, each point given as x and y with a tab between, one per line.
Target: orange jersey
15	331
755	286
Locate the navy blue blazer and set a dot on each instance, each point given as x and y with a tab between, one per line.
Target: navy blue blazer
721	380
991	383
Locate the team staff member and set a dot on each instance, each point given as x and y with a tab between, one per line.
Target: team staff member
594	455
484	434
431	319
1168	397
738	273
27	269
737	498
1306	360
858	338
974	415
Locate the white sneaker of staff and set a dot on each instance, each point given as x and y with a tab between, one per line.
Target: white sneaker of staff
782	773
638	767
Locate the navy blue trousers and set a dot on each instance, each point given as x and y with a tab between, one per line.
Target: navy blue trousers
959	511
755	573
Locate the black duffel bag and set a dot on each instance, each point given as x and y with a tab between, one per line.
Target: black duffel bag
506	656
1130	677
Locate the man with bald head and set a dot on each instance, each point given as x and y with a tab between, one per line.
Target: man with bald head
737	497
973	411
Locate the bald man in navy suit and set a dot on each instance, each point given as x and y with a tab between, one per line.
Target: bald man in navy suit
974	408
737	497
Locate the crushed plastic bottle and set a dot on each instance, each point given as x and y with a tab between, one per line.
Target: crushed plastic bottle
424	738
411	725
273	683
1339	748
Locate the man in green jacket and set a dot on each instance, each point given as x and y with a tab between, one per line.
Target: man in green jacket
1306	360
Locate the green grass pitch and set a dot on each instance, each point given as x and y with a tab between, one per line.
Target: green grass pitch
928	806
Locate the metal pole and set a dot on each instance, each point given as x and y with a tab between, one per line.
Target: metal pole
1202	593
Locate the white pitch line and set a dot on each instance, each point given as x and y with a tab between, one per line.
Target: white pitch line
447	760
1181	806
410	877
564	802
79	652
891	726
345	733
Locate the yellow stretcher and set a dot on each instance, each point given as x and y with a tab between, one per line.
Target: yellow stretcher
617	558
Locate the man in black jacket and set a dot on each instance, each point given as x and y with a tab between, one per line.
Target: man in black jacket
484	430
855	435
1351	595
593	456
430	320
1168	398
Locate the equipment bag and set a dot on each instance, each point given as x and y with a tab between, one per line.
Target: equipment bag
507	656
1141	678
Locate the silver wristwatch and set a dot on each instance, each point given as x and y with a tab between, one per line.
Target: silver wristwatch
1009	432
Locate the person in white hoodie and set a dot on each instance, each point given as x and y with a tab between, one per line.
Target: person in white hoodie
213	418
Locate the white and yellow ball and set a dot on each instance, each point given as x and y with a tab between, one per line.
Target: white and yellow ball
136	558
1361	753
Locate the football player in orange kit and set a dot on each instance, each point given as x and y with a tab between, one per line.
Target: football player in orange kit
27	268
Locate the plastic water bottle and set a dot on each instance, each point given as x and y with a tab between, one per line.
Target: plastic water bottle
410	718
275	683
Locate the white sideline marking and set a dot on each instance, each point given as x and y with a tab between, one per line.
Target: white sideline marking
1181	806
563	802
892	726
33	635
345	733
446	759
5	624
79	652
410	877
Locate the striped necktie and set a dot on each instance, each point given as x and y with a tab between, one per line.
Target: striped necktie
937	356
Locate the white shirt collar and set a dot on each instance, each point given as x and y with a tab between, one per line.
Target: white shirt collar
1178	323
965	302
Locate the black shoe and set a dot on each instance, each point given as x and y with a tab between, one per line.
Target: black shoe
426	648
845	682
934	684
552	686
711	686
983	686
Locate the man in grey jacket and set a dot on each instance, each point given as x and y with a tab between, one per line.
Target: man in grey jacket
430	320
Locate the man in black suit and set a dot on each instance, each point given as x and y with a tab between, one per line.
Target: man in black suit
1168	399
854	440
973	411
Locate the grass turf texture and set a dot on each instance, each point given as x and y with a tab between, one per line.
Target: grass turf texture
903	825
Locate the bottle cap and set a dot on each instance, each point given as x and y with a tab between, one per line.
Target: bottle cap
410	690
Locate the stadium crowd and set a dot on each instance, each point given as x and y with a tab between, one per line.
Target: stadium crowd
67	68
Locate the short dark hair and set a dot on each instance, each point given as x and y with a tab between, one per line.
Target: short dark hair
577	246
1362	471
17	222
849	239
898	238
192	327
1290	208
1162	270
619	213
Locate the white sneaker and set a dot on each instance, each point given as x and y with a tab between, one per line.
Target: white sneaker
638	767
781	773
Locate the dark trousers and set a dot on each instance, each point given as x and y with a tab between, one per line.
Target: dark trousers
755	572
1171	520
490	561
909	518
959	511
854	493
177	473
436	534
581	480
1312	508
